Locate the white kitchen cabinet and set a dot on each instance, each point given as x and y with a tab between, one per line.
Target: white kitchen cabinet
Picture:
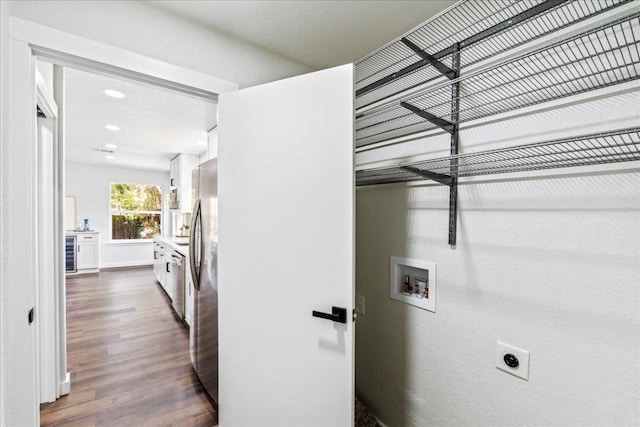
180	170
163	263
88	252
157	260
174	171
212	146
165	270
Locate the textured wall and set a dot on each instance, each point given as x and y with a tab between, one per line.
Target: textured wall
550	264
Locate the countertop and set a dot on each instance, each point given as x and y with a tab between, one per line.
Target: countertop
172	242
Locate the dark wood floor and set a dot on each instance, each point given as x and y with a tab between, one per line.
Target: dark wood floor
128	356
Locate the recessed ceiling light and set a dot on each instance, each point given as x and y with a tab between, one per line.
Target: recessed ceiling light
113	93
109	157
112	127
201	142
111	146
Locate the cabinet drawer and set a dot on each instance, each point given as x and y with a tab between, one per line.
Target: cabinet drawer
87	238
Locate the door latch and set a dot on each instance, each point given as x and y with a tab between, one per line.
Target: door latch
31	315
338	314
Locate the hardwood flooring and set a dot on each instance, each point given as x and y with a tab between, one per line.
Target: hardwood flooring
128	356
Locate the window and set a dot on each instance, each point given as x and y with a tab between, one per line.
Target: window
136	211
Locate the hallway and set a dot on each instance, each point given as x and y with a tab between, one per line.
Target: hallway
128	356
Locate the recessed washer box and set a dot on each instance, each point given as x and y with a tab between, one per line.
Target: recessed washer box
413	282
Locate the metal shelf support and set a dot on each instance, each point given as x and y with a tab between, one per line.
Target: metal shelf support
453	128
440	122
455	118
437	177
446	71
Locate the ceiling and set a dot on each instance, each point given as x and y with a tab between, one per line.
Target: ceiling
318	34
156	124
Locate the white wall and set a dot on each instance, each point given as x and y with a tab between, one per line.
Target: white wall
90	185
141	28
549	264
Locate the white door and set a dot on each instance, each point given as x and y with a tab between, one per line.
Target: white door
286	249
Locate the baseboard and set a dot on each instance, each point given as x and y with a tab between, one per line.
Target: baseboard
126	264
65	386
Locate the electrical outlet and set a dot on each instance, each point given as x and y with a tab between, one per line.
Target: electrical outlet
360	304
512	360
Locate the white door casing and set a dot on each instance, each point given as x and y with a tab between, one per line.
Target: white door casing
286	248
46	277
19	338
48	282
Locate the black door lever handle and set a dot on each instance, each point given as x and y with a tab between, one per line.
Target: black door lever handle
338	314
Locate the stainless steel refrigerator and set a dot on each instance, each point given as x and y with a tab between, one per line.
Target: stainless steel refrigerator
203	257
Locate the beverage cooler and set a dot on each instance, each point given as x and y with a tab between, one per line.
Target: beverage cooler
70	258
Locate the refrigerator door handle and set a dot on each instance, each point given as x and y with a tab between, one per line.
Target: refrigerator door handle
201	246
195	267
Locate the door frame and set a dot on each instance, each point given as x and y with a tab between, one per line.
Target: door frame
48	281
27	40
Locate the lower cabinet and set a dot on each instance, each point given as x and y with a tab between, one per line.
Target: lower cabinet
162	266
167	283
157	262
87	252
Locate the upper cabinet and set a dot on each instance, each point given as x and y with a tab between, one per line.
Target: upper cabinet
212	145
180	180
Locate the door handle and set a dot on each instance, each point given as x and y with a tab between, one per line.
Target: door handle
338	314
168	271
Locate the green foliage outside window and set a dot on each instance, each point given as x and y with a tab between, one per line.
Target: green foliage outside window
136	211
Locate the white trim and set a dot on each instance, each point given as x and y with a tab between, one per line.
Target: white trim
65	385
20	358
63	375
44	98
48	285
69	49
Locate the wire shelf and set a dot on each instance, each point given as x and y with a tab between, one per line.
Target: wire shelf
601	148
482	28
597	58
